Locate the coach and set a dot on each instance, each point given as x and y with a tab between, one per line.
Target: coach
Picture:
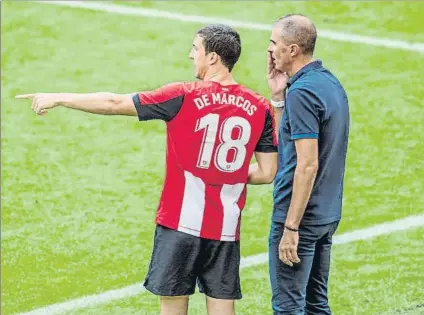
312	118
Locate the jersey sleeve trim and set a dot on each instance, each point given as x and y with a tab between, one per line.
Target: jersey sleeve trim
165	110
267	143
266	149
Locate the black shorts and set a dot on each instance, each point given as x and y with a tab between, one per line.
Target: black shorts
180	259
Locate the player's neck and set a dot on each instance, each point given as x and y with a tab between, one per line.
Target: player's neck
222	76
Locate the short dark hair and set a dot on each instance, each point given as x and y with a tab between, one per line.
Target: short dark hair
302	33
224	41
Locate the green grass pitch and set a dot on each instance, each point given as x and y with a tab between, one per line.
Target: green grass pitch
79	191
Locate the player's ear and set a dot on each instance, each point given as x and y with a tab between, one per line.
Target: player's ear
213	58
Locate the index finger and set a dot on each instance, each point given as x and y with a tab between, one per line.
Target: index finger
21	96
294	257
270	64
286	258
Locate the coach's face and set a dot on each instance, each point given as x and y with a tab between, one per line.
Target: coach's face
198	55
280	52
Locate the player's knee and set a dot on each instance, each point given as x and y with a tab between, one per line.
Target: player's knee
219	306
173	305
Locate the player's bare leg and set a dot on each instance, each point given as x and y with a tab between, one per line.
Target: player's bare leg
173	305
220	307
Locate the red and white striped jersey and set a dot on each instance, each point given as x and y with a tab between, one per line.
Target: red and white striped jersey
212	133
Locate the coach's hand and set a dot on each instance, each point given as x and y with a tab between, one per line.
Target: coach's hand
288	247
41	102
277	80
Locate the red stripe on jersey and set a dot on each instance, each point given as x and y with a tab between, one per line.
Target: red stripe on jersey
168	213
213	215
241	203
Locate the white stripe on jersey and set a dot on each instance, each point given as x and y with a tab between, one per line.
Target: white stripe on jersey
193	206
230	195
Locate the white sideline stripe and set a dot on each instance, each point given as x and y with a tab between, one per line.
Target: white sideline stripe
349	237
337	36
135	289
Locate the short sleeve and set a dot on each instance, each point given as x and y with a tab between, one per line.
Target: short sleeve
163	103
268	141
302	114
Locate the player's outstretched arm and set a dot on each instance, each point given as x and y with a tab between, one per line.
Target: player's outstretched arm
103	103
263	172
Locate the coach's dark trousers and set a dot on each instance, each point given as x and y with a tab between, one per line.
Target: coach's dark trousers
302	289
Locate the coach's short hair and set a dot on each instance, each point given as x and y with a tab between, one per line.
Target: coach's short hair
298	29
224	41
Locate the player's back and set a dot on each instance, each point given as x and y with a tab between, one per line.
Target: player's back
216	131
210	143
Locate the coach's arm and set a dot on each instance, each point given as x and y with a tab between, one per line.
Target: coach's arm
103	103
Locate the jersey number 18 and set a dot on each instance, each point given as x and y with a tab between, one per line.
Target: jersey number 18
210	123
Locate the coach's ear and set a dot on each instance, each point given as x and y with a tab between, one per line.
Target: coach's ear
294	50
213	58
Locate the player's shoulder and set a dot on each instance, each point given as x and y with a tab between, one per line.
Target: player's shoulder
260	99
199	85
189	86
174	86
